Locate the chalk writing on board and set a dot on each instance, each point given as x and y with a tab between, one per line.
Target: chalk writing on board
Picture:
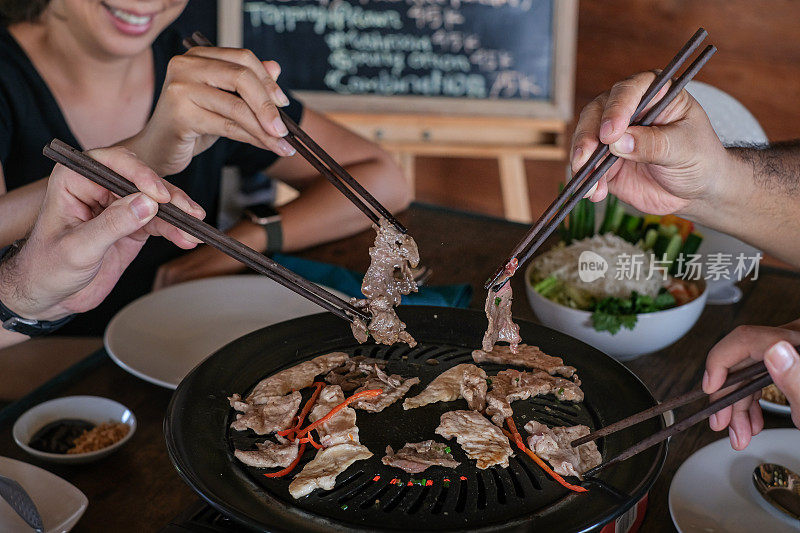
500	49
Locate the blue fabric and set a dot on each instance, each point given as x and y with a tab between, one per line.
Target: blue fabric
349	282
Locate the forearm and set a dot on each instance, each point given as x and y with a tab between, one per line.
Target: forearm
19	209
758	199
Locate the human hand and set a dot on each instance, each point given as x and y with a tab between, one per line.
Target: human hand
85	237
669	167
741	347
210	93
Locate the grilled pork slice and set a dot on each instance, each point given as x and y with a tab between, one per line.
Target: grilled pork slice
354	372
269	454
501	325
341	427
552	445
275	413
510	385
295	378
526	356
479	438
415	457
321	471
394	387
462	381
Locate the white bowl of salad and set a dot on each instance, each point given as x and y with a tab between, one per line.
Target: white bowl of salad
617	287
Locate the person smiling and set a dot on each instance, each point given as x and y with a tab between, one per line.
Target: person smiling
95	73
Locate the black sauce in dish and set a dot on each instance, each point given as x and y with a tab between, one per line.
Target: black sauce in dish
59	436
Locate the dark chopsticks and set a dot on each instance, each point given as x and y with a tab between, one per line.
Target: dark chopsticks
577	188
758	379
321	160
81	163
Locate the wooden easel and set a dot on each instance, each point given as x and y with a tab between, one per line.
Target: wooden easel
508	140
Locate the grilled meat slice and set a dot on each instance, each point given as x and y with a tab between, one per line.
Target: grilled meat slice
275	413
510	385
296	377
527	356
462	381
354	373
269	454
341	428
394	387
388	277
321	471
501	326
415	457
553	445
479	438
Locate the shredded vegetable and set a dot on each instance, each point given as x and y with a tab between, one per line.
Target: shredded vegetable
332	413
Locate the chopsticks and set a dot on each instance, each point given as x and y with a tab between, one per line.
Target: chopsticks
81	163
580	185
321	160
758	379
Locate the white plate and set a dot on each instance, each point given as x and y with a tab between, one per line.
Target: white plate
162	336
775	408
713	492
59	503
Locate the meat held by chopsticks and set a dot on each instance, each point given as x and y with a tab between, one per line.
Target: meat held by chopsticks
462	381
553	445
388	278
394	387
526	356
321	471
274	414
480	439
269	454
295	378
511	385
416	457
501	326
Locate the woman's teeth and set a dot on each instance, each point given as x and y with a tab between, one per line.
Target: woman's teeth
130	18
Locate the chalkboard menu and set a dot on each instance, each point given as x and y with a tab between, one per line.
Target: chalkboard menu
462	56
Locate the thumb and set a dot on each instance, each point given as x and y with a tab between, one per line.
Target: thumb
120	219
783	364
648	144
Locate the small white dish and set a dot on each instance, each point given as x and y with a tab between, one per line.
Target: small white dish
713	492
776	408
652	332
59	503
163	335
93	409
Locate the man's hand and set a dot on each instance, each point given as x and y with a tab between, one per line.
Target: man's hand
741	347
85	237
671	166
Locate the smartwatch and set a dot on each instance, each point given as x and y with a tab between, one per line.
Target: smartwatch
269	218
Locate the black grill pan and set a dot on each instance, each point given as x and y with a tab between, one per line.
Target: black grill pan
370	496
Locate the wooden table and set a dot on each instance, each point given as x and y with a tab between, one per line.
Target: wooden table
137	488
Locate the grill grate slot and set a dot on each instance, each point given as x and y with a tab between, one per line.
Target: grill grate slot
461	502
341	486
499	486
375	499
424	496
441	498
357	491
423	351
519	492
533	479
396	499
481	492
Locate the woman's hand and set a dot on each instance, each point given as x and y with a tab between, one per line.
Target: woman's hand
741	347
85	237
664	168
210	93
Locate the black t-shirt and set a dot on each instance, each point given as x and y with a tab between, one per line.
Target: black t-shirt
30	118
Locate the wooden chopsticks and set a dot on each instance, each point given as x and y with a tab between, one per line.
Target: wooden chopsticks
321	160
758	379
81	163
580	185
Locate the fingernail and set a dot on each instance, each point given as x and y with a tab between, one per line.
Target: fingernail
606	129
780	357
705	381
734	438
283	100
285	148
162	189
577	155
280	127
712	420
143	207
624	145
